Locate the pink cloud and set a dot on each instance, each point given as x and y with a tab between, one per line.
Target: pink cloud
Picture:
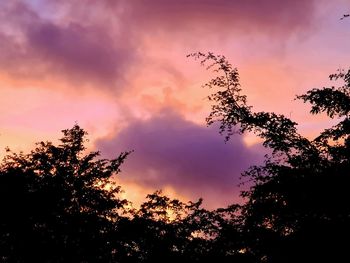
95	43
269	16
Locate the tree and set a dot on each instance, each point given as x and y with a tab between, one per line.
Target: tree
297	208
168	230
59	204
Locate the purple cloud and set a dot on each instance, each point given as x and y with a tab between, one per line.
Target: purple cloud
82	53
194	160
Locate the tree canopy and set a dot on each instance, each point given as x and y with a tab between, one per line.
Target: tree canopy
60	203
298	206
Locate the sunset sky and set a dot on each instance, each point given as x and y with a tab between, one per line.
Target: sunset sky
119	69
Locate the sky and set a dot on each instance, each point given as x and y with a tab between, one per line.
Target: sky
119	69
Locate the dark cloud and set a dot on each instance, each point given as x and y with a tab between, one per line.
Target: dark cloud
274	16
81	53
194	160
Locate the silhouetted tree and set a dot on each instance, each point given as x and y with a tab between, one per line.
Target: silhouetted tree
298	207
168	230
58	204
61	204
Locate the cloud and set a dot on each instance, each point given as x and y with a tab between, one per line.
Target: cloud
96	43
269	16
75	51
170	152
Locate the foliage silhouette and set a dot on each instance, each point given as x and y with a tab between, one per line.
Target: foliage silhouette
168	230
297	208
58	204
61	204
